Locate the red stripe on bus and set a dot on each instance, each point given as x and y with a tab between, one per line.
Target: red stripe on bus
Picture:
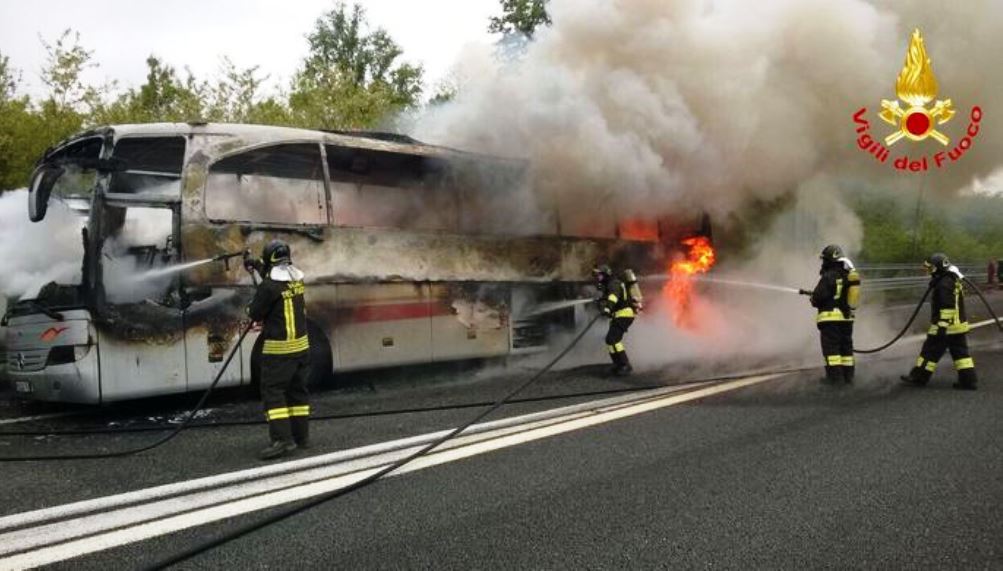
394	311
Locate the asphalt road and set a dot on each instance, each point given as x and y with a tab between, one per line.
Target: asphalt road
782	475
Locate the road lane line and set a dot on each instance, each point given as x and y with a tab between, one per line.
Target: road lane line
230	509
33	537
105	503
40	535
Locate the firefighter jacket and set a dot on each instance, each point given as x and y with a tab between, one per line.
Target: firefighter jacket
280	306
830	296
615	300
947	305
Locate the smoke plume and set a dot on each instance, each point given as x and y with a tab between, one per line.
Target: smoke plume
673	107
36	254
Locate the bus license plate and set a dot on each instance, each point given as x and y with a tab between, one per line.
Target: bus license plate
22	387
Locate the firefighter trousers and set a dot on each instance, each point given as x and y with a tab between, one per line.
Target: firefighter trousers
284	396
934	348
618	327
837	349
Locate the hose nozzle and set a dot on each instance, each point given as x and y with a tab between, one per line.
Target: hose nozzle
227	256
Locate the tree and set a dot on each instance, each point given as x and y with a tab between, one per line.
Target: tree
10	78
520	17
66	61
352	77
164	97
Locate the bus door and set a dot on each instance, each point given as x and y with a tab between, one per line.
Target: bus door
141	334
137	226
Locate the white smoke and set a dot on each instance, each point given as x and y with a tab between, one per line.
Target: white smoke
35	254
131	276
673	107
706	105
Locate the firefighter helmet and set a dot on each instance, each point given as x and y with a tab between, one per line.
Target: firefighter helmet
276	252
937	262
831	253
602	272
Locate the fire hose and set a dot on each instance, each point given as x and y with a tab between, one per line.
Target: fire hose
161	441
318	500
177	430
915	313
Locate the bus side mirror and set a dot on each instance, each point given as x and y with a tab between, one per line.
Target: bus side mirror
42	181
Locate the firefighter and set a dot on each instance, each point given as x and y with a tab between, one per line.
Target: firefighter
278	305
832	298
948	327
615	302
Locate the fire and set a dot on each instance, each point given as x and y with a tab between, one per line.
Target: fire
640	230
678	290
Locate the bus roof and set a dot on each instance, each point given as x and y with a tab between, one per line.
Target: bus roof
257	134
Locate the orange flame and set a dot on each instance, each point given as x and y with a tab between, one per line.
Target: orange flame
640	230
678	291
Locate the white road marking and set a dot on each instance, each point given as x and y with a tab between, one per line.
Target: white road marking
158	492
36	417
107	530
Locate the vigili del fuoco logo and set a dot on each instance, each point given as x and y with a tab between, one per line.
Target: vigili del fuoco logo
917	120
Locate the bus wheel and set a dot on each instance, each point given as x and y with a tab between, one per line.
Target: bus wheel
321	360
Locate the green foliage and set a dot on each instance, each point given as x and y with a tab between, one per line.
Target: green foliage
966	228
520	17
351	78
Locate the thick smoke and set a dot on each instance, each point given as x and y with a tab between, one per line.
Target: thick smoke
673	107
36	254
706	105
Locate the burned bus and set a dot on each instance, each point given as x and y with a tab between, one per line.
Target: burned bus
414	253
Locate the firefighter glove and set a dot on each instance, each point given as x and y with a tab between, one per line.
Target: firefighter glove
254	264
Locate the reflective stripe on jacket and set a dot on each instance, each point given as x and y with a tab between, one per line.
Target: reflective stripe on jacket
830	295
616	299
947	306
281	307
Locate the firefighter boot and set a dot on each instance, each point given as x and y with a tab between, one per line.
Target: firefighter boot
615	357
624	368
833	376
917	377
967	380
848	374
280	431
301	431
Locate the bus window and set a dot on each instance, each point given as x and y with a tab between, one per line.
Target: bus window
153	165
138	249
379	206
76	180
280	184
390	190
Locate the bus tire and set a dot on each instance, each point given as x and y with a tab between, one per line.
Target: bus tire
321	359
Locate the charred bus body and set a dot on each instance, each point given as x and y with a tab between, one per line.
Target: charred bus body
414	254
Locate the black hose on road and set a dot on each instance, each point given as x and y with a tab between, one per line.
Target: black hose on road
334	416
254	526
986	303
905	329
163	440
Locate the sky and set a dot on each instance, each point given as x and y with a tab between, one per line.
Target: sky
198	33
